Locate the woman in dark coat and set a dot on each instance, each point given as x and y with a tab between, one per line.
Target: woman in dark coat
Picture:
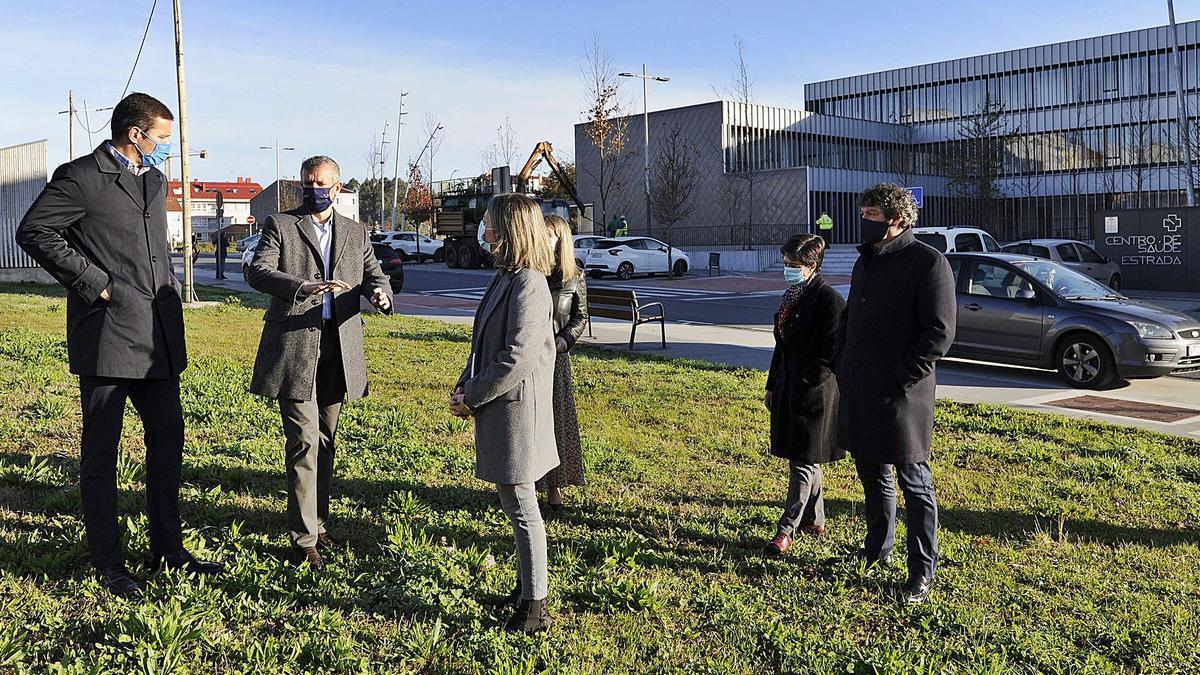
802	393
569	292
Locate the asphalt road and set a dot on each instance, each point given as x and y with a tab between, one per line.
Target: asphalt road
681	301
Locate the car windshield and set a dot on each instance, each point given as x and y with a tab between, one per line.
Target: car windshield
1064	281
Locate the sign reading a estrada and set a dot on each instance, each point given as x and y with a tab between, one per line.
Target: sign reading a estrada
1151	247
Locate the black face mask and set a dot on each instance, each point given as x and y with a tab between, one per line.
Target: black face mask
872	231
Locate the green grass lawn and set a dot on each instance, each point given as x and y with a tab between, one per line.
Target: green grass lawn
1068	546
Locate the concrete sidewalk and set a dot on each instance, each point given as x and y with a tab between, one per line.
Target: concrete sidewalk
963	381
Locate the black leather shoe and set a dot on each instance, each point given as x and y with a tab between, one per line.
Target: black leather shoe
531	617
182	560
915	591
118	581
327	542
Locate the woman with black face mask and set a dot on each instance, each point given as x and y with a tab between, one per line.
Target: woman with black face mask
802	394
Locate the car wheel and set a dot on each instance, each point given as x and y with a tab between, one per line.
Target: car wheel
404	257
679	268
1115	282
451	257
439	255
1085	362
468	257
625	271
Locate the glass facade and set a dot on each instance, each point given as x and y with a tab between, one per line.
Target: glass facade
1086	125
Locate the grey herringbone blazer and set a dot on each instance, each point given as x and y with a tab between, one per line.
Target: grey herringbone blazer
509	380
288	255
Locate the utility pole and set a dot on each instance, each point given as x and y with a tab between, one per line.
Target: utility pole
383	141
646	132
189	292
70	124
1184	121
407	185
278	187
71	114
396	179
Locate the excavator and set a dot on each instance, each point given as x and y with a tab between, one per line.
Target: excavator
458	212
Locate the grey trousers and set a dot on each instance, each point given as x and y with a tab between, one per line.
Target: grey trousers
521	505
309	428
805	499
916	482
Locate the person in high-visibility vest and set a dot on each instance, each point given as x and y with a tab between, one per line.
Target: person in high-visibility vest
825	224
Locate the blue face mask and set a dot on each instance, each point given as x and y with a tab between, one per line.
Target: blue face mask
794	276
483	243
158	155
316	199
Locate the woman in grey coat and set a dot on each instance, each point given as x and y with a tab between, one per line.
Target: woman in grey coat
569	293
507	386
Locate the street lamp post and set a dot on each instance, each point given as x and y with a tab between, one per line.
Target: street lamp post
278	187
646	132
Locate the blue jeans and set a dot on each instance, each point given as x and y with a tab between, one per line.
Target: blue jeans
916	482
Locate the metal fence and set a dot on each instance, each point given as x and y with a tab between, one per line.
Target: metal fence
22	177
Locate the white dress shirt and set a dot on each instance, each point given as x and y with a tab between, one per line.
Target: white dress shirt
325	239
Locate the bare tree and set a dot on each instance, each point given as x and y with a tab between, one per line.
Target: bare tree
431	125
741	84
503	150
731	199
974	162
675	178
1020	150
1137	148
902	159
606	125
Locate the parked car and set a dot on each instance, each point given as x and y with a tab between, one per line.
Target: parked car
626	256
1028	311
957	239
248	254
247	243
583	244
392	264
1074	254
405	243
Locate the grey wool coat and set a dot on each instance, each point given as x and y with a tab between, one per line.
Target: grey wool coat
509	380
287	256
899	322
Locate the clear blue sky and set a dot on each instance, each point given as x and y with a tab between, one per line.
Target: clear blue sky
322	76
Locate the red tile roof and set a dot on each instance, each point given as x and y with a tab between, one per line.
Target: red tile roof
241	190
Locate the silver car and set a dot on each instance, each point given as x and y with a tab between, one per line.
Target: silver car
1030	311
1074	254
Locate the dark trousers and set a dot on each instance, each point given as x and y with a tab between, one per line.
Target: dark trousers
157	403
805	500
309	428
916	483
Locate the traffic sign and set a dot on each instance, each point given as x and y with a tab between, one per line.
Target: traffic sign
918	194
249	220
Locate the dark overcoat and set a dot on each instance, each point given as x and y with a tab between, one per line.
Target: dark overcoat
804	391
98	226
287	255
899	322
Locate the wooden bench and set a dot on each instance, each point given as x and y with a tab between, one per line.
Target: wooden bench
617	303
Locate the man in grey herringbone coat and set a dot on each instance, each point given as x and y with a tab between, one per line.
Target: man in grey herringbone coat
316	265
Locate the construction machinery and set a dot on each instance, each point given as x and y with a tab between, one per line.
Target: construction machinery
459	208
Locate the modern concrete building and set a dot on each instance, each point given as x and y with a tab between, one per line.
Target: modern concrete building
1079	126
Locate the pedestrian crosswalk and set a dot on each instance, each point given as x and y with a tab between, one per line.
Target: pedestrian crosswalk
644	292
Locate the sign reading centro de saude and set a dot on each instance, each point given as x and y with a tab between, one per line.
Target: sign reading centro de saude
1151	246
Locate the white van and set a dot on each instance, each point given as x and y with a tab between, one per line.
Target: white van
957	239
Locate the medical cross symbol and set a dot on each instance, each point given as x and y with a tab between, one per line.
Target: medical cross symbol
1172	223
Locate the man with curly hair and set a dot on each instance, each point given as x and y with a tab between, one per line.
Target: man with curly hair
899	321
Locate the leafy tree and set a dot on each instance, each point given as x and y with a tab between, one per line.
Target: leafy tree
606	125
417	202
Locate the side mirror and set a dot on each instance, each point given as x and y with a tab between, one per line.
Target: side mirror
1028	295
